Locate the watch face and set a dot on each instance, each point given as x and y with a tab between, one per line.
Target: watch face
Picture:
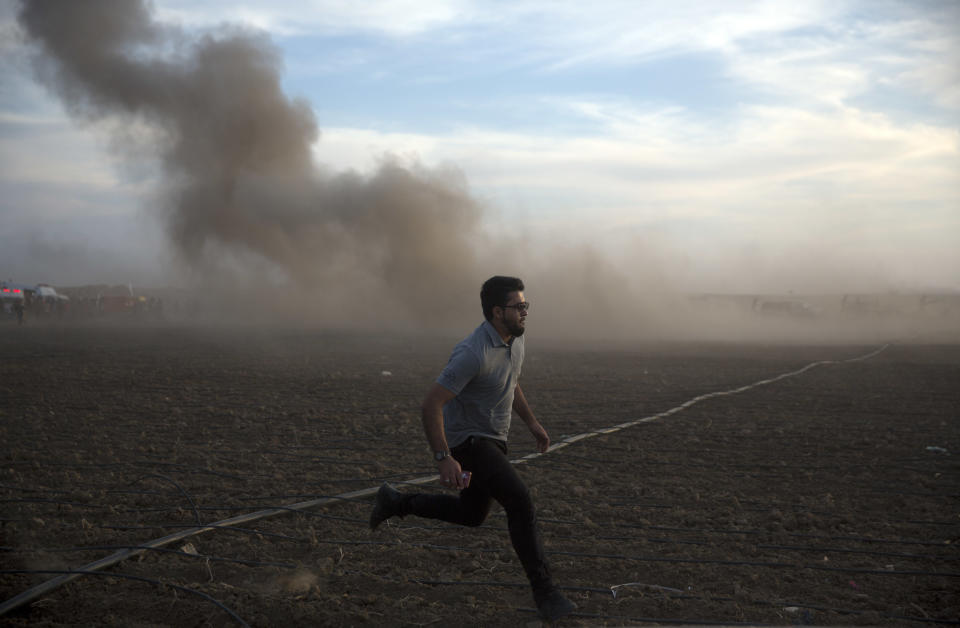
439	455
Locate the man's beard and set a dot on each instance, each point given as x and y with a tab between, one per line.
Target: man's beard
516	329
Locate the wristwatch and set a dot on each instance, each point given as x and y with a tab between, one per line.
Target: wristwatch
440	455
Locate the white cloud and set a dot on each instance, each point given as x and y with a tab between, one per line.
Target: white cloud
843	57
621	32
816	50
663	155
568	31
783	181
56	153
399	18
938	77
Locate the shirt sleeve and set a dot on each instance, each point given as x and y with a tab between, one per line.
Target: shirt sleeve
464	364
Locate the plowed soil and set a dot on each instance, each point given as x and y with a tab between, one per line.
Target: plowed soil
826	497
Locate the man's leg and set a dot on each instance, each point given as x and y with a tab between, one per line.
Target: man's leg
505	485
493	478
469	507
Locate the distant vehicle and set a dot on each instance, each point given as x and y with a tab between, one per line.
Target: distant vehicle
10	296
46	300
11	293
46	291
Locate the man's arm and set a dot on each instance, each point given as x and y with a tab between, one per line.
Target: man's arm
523	411
432	416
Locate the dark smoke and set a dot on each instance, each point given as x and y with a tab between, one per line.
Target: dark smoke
240	193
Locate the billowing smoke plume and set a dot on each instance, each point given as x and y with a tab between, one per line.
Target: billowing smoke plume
239	187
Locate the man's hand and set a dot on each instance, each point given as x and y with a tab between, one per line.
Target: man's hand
451	474
522	408
543	439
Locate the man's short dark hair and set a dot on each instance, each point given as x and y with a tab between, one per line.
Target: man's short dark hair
495	293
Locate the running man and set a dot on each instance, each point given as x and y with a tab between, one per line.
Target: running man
466	417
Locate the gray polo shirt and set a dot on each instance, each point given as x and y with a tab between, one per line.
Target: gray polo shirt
483	371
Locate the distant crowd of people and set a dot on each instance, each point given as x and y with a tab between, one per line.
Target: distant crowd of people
39	308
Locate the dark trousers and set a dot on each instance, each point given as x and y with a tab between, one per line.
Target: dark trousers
494	478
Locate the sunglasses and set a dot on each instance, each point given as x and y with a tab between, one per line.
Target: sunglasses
521	307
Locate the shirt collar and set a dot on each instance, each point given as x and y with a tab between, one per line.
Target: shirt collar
494	335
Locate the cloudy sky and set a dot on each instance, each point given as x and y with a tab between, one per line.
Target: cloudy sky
742	146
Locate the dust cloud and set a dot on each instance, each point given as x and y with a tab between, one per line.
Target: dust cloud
245	207
262	231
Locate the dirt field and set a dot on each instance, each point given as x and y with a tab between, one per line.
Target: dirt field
815	499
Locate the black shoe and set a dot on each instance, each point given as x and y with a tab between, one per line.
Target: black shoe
554	605
385	505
